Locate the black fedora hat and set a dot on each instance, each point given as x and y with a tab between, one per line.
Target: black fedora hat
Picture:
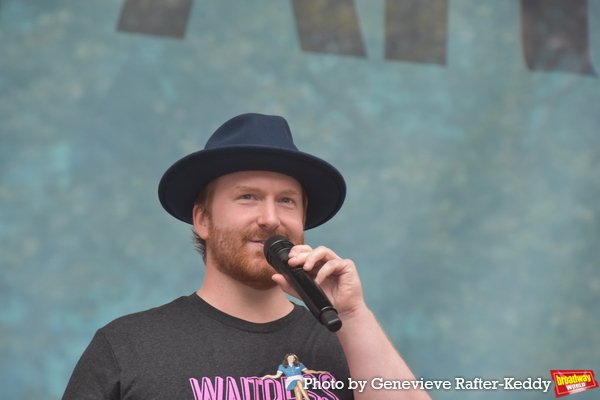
252	142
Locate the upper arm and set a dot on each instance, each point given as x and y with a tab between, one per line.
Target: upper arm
97	373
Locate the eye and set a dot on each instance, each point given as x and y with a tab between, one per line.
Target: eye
246	197
287	200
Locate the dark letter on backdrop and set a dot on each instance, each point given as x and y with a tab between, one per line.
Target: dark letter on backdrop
328	26
416	30
555	35
155	17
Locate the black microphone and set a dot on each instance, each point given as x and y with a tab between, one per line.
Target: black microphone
277	249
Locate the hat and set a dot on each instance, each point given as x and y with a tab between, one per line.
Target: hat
252	142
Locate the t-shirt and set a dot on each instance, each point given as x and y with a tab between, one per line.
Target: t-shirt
188	349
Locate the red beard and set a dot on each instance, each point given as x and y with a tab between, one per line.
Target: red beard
228	249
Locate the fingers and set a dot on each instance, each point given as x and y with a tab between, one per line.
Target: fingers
298	254
319	257
322	261
304	254
333	268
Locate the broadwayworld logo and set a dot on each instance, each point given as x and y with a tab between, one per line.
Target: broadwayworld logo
572	381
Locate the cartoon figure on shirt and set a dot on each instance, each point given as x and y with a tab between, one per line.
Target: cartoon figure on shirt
293	370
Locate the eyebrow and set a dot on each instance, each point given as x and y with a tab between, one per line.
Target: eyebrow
253	188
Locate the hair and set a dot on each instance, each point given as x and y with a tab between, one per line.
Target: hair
205	199
285	360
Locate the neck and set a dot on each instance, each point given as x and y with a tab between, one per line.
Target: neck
241	301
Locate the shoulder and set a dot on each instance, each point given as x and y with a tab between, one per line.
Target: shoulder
157	318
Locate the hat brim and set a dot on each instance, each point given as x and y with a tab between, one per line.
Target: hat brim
183	181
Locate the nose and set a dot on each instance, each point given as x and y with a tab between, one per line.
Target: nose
268	218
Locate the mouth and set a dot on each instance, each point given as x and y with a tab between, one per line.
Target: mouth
259	242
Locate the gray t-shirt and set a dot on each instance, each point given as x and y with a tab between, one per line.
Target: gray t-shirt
188	349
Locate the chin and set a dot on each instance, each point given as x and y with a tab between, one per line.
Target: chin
261	285
258	279
261	278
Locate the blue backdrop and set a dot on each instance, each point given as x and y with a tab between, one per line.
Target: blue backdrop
467	131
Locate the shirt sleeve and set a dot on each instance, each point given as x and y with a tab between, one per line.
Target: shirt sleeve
302	367
97	374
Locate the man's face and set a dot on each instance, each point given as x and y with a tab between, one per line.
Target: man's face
247	208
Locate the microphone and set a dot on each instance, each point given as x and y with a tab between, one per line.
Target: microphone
276	251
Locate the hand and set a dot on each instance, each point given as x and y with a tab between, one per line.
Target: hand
337	277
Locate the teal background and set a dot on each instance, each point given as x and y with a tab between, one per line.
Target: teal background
473	207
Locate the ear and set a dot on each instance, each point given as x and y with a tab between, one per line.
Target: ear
200	220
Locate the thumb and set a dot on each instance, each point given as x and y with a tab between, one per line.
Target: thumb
285	286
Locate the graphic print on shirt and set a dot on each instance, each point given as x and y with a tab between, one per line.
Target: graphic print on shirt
293	381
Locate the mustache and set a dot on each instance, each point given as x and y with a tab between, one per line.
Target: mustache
264	234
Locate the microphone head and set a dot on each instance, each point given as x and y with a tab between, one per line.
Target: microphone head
274	245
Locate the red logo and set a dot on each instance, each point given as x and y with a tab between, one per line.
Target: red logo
572	381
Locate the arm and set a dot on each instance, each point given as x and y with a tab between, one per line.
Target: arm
369	351
310	371
277	375
96	375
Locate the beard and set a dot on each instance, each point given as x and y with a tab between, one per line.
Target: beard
229	250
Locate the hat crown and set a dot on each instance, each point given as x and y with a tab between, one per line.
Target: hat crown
253	130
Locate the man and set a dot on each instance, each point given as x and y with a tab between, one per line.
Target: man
249	183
